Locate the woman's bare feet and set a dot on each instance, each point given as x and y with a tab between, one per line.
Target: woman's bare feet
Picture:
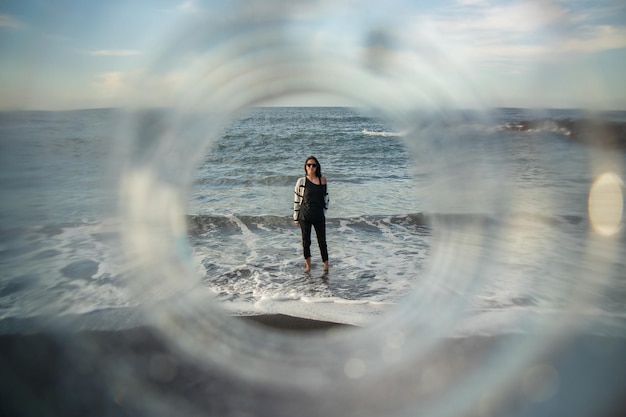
307	265
326	266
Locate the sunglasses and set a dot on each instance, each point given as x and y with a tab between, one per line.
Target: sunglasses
311	165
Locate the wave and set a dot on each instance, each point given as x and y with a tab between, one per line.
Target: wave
591	132
382	134
419	222
199	223
289	180
271	180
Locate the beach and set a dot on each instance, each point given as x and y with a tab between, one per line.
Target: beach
135	372
469	259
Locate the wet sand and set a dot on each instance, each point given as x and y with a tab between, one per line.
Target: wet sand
285	322
134	372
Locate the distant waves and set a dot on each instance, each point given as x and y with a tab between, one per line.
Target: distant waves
587	131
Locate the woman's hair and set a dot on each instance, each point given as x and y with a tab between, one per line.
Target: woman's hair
318	169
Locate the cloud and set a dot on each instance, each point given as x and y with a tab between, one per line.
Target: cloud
8	21
112	89
110	80
135	88
114	52
187	6
515	21
597	39
518	31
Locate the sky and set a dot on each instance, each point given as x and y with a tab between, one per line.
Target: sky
69	54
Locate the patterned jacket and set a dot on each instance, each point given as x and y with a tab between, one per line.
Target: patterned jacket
299	195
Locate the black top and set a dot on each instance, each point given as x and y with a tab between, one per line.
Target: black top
312	208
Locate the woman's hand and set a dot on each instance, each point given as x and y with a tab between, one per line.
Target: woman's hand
297	223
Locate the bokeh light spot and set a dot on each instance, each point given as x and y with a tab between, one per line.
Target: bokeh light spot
606	204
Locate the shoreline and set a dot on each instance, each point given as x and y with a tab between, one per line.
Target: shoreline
129	319
292	323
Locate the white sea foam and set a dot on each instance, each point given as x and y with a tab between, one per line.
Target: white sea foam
83	271
382	134
356	314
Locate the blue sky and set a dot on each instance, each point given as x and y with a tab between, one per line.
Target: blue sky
68	54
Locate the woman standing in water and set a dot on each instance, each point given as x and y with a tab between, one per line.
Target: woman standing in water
309	208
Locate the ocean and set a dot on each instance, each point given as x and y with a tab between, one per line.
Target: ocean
477	263
508	199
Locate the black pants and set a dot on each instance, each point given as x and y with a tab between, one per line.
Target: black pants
320	231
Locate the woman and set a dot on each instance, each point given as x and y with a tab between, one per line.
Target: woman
309	208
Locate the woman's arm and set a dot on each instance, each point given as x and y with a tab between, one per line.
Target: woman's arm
298	193
326	196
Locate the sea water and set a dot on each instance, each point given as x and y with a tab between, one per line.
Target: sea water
59	233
